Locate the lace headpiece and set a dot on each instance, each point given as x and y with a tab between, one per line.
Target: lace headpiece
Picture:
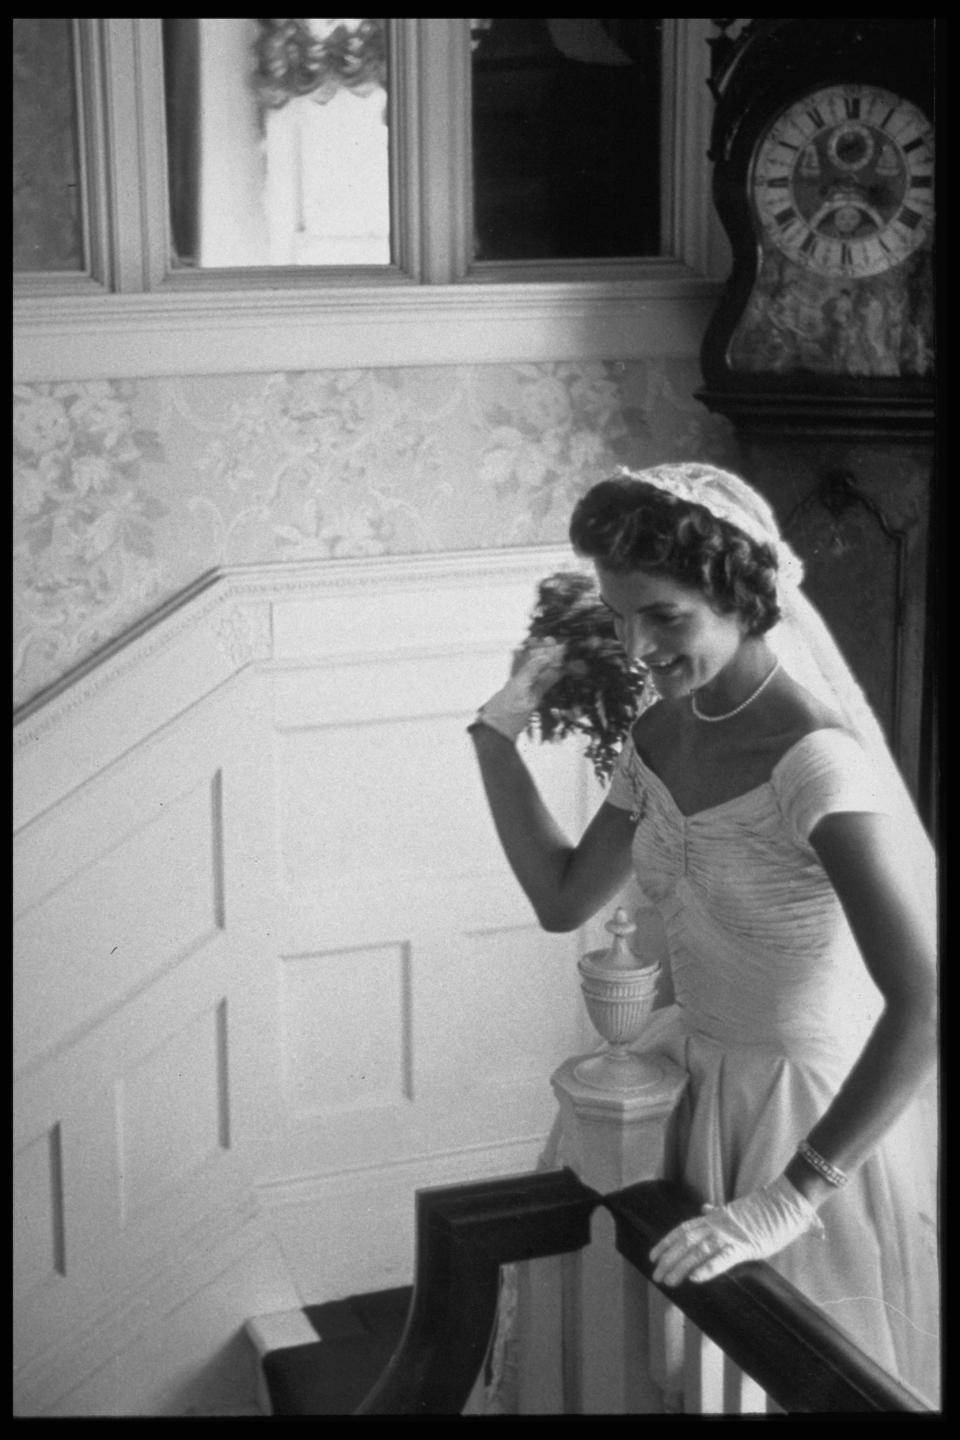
729	498
801	640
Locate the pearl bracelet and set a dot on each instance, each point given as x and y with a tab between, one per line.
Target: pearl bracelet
823	1167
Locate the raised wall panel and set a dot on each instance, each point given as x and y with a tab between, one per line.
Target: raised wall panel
345	1018
498	1008
361	806
171	662
382	800
272	972
38	1211
160	1144
397	623
379	687
119	919
141	895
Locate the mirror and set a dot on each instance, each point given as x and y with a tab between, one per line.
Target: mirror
278	142
566	138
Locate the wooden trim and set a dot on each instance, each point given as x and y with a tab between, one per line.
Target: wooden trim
92	149
835	412
464	1234
443	150
225	622
685	152
768	1327
274	583
404	104
66	337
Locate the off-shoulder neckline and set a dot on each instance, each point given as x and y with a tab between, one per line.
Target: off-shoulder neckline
754	790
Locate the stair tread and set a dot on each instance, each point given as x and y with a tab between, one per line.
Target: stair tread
357	1337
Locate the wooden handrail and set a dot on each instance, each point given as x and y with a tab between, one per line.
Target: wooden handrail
765	1324
464	1234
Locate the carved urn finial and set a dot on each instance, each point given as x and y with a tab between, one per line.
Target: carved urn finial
619	992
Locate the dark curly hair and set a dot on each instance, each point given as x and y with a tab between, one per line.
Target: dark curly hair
625	524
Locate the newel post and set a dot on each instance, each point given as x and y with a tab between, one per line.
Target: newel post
616	1114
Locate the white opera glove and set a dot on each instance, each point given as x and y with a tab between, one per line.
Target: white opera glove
751	1228
537	666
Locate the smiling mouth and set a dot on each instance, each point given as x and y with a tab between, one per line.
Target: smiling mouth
661	667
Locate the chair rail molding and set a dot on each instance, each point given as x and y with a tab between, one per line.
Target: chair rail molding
236	616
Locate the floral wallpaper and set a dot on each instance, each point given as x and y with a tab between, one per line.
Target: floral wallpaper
127	491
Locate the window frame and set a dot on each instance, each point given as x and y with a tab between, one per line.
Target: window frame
130	314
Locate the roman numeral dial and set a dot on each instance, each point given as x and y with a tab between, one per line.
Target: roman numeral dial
842	181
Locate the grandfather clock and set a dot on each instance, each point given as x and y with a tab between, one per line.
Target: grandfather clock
821	349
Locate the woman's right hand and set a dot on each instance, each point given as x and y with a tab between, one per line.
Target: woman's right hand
537	666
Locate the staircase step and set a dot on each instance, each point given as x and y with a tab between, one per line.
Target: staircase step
324	1359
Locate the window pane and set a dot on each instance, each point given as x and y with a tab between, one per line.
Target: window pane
278	141
47	216
566	138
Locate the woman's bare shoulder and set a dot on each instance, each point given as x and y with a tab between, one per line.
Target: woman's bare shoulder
795	710
659	717
764	734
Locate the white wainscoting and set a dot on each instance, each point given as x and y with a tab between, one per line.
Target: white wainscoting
272	974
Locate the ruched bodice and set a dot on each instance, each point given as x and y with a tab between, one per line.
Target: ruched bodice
760	949
773	1005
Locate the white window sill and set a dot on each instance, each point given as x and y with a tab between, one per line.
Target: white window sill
180	330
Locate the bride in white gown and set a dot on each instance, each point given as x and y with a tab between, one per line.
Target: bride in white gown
764	818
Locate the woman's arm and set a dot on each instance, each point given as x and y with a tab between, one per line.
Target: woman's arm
862	857
564	883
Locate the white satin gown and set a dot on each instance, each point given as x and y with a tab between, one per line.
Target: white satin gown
773	1005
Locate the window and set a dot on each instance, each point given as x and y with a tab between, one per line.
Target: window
134	307
566	124
277	142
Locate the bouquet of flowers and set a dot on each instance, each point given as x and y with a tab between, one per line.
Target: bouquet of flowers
599	692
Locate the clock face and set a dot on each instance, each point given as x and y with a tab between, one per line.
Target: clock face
842	181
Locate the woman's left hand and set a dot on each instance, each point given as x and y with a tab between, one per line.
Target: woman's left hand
751	1228
537	665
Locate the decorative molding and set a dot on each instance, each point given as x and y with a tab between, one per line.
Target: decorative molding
244	634
225	623
81	337
231	600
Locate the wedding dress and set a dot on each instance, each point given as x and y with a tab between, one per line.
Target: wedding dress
773	1000
773	1006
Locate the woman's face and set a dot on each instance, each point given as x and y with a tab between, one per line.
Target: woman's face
670	629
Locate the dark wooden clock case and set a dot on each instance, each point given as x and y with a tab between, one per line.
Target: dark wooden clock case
848	461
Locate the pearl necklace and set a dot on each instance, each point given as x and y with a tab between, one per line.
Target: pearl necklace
729	714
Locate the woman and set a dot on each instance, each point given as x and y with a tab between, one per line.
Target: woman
760	809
